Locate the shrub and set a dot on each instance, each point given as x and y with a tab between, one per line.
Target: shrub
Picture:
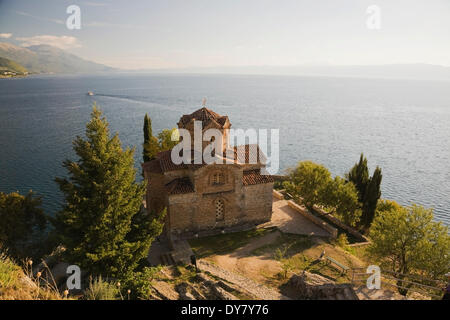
138	284
100	289
342	240
22	226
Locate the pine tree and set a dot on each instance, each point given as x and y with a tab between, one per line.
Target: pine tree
151	147
102	225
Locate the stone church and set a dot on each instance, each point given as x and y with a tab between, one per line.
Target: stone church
204	199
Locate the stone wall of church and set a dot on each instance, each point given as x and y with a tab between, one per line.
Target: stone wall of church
213	206
258	202
193	213
156	196
196	212
182	212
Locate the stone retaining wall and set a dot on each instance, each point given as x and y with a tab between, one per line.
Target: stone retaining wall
342	225
304	212
364	240
278	195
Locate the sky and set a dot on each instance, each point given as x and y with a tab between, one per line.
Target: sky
148	34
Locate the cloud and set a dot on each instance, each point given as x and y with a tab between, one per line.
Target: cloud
26	14
112	25
5	35
94	4
62	42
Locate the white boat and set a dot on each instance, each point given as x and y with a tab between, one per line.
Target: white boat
90	93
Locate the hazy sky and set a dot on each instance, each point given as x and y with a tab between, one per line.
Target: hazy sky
196	33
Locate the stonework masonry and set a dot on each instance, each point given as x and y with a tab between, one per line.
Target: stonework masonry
210	198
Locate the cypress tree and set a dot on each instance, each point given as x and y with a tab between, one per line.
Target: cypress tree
102	225
373	194
359	175
369	189
151	147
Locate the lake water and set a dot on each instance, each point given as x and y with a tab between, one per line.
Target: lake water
401	125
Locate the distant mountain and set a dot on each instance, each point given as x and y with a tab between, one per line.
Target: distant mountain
417	71
48	59
9	66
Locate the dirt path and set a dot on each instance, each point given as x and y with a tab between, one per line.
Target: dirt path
258	290
242	261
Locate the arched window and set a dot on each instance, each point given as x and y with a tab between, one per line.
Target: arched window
218	178
220	209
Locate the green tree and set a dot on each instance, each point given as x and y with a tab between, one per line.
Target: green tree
312	184
22	225
386	205
408	241
140	283
308	181
369	190
359	175
151	147
102	225
343	197
373	194
165	139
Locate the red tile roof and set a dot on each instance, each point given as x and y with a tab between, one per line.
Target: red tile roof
167	164
204	115
252	177
249	153
244	154
180	186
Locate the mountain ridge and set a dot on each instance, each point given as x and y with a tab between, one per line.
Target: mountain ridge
11	68
49	59
419	71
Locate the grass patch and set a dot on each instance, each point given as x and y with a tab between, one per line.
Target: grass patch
292	252
286	245
16	285
361	253
300	262
9	273
182	273
224	243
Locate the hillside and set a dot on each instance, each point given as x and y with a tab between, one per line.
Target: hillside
16	285
8	66
48	59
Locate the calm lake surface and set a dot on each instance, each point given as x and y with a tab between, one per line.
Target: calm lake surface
401	125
